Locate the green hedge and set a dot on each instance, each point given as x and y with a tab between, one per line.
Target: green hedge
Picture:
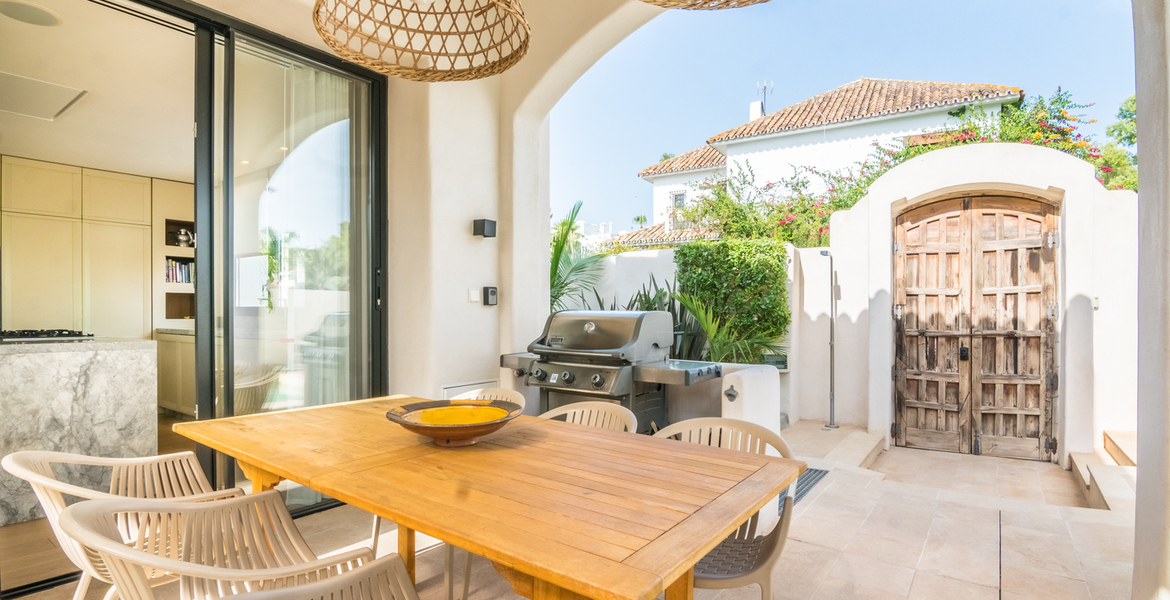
742	280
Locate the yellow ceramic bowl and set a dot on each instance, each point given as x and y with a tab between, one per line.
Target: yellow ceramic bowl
454	422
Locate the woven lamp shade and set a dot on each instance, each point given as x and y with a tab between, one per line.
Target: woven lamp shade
703	4
444	40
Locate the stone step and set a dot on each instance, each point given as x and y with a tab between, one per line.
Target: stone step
1122	446
858	449
1080	462
1112	487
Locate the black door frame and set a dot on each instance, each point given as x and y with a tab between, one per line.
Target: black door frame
208	25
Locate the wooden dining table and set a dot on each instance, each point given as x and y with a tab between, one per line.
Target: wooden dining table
563	511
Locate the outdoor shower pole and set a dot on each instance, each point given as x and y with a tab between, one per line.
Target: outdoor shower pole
832	341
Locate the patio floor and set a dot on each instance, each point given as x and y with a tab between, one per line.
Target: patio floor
936	526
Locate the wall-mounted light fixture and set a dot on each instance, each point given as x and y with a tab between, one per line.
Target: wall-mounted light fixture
484	227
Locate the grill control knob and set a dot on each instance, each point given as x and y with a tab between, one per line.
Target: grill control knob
567	377
539	374
597	380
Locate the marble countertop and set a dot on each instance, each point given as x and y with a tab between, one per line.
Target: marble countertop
97	344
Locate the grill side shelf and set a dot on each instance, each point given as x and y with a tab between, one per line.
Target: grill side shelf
673	372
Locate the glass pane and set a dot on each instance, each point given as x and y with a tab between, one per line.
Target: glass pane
300	193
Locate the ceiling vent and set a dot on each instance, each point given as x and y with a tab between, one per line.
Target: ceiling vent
37	99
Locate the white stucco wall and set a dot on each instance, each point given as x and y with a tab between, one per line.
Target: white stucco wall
1097	257
626	274
834	147
666	186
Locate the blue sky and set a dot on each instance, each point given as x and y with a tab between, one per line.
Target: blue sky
688	75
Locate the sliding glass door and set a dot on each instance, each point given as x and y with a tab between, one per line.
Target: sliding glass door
295	198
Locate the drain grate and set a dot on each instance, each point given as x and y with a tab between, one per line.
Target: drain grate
805	483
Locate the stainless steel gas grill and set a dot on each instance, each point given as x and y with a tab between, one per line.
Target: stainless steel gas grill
620	357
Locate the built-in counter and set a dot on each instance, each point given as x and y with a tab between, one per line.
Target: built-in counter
91	397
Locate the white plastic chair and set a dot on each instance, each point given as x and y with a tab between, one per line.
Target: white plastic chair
489	393
383	579
493	393
159	477
743	558
605	415
215	549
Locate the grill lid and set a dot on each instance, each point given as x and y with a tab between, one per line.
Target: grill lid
633	337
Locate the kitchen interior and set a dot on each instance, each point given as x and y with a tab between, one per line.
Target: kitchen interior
98	241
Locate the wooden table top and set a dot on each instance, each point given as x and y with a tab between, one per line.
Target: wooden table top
609	515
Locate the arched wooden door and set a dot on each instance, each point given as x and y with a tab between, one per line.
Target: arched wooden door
975	308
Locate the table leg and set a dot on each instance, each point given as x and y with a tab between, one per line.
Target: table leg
262	480
406	549
683	588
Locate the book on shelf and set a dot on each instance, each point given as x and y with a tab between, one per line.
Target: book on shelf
179	271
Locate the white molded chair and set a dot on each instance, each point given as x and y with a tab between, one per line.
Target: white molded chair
493	393
215	549
489	393
383	579
743	558
605	415
164	477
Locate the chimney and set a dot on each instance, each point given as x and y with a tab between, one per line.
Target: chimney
755	110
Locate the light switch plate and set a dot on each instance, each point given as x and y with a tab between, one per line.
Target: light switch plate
473	295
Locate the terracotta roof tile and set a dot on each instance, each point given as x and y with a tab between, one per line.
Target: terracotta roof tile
863	99
657	235
699	158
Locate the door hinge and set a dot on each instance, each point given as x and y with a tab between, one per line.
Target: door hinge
895	373
1049	445
195	130
977	443
897	247
1052	381
895	430
1054	311
1053	239
898	309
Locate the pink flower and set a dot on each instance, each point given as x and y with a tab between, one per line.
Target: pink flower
1099	180
1107	169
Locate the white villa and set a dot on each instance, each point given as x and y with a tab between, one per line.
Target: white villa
831	131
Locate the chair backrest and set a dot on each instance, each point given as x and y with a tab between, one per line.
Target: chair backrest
605	415
493	393
252	384
167	476
734	434
383	579
216	549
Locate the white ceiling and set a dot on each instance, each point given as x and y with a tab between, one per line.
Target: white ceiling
137	114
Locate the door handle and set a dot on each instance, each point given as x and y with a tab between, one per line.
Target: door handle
964	353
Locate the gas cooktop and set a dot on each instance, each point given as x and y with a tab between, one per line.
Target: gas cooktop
44	335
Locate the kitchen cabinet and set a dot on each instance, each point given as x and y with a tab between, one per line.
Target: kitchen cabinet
40	262
116	277
115	197
176	372
43	188
174	297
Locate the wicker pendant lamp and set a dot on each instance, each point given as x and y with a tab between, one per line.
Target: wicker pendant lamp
703	4
426	40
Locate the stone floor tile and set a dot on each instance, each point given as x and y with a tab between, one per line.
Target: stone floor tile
1107	579
894	522
874	573
958	557
1039	518
827	533
964	520
898	552
929	586
1029	549
1101	541
839	589
1031	584
801	570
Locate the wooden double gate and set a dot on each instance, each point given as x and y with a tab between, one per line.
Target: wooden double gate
975	310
